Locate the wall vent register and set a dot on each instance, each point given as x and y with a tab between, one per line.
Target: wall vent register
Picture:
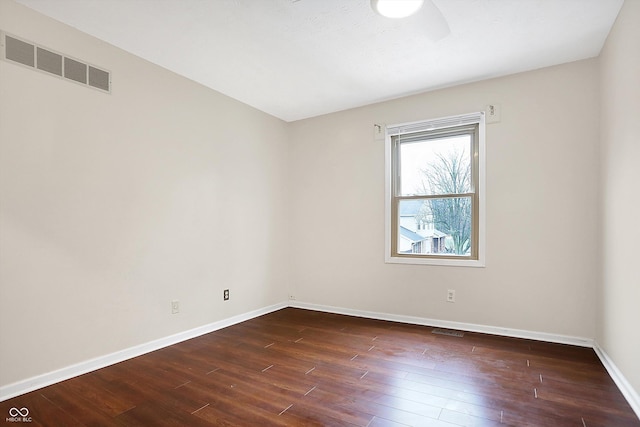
43	59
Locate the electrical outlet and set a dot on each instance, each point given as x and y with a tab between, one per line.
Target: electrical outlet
175	307
451	295
225	295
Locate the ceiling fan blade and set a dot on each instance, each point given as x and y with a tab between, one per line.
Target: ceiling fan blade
435	23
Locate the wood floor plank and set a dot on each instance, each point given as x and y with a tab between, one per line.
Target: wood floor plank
467	420
76	405
298	367
308	415
154	414
42	411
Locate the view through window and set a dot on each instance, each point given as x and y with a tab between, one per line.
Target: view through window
435	185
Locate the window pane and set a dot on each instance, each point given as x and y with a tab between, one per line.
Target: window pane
436	166
440	226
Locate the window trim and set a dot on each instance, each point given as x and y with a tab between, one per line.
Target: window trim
444	123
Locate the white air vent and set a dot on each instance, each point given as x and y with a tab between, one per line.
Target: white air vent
49	61
98	78
32	55
19	51
75	70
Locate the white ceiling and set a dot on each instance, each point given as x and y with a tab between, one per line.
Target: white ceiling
302	58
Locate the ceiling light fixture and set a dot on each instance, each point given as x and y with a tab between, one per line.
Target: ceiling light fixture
396	8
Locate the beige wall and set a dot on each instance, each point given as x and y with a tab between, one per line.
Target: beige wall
114	205
619	296
542	208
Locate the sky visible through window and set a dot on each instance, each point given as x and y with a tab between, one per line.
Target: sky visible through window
417	156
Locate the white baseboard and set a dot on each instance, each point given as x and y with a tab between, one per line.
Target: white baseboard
470	327
39	381
34	383
625	387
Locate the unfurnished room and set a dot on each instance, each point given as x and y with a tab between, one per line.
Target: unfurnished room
319	213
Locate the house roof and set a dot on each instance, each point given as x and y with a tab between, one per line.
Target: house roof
438	233
410	235
415	237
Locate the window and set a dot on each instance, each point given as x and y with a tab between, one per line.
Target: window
435	191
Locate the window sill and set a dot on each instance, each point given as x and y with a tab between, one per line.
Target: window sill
478	263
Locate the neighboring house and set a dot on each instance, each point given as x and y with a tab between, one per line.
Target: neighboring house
418	234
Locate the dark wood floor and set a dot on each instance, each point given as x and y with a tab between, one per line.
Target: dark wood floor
297	367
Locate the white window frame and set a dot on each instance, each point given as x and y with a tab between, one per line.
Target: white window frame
450	122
